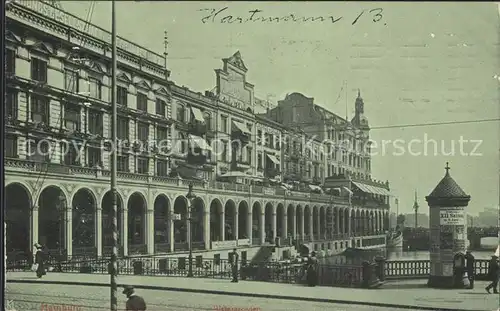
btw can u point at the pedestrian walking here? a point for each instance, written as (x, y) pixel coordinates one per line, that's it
(471, 271)
(134, 302)
(39, 261)
(234, 265)
(312, 270)
(493, 271)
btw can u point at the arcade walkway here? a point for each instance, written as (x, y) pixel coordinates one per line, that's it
(401, 294)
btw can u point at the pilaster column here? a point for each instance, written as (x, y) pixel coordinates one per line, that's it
(170, 229)
(206, 229)
(223, 226)
(318, 221)
(273, 226)
(262, 228)
(124, 232)
(349, 222)
(98, 229)
(337, 222)
(311, 225)
(249, 221)
(235, 226)
(34, 226)
(284, 228)
(150, 231)
(294, 225)
(69, 230)
(301, 225)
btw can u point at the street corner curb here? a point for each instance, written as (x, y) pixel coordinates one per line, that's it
(251, 295)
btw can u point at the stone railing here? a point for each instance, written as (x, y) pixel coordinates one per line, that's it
(413, 269)
(212, 186)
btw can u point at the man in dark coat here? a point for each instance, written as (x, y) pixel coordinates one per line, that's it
(493, 271)
(39, 261)
(470, 268)
(234, 265)
(312, 270)
(134, 302)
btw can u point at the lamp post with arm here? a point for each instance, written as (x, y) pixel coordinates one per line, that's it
(190, 196)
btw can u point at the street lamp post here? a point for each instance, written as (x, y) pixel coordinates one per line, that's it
(190, 196)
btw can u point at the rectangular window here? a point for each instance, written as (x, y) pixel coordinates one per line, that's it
(121, 96)
(38, 70)
(142, 165)
(39, 151)
(70, 153)
(160, 107)
(122, 163)
(94, 156)
(72, 117)
(208, 121)
(10, 146)
(39, 109)
(10, 61)
(249, 155)
(143, 132)
(224, 151)
(223, 124)
(95, 120)
(142, 102)
(181, 113)
(11, 104)
(161, 168)
(95, 88)
(122, 128)
(71, 81)
(162, 137)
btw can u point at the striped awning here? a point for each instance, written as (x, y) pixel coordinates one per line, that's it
(198, 115)
(241, 127)
(273, 158)
(200, 142)
(371, 189)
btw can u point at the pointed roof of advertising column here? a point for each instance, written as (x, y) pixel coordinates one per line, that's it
(447, 190)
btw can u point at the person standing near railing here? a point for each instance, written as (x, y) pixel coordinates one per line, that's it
(470, 268)
(234, 265)
(493, 274)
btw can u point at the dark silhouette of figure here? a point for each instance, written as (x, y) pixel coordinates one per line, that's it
(312, 270)
(470, 268)
(39, 261)
(234, 265)
(493, 270)
(134, 302)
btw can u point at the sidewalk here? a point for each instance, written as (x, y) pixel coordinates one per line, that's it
(412, 294)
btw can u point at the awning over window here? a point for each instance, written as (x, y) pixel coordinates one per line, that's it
(200, 142)
(371, 189)
(198, 115)
(241, 127)
(314, 187)
(274, 159)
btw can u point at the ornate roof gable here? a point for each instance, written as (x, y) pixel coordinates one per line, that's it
(123, 78)
(10, 36)
(236, 61)
(42, 47)
(143, 85)
(162, 91)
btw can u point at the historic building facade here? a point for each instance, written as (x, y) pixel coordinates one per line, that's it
(58, 165)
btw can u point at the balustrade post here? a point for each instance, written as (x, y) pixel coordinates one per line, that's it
(380, 262)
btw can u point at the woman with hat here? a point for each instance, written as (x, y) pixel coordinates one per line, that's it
(39, 261)
(493, 271)
(134, 302)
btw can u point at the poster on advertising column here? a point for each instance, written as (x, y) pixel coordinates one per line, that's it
(451, 217)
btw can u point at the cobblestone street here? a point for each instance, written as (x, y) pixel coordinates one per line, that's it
(30, 297)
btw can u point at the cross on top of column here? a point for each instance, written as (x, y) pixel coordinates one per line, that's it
(447, 168)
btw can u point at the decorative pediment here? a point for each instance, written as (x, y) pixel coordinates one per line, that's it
(236, 61)
(42, 47)
(122, 77)
(96, 67)
(162, 91)
(143, 85)
(10, 36)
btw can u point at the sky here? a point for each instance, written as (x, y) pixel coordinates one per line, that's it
(420, 63)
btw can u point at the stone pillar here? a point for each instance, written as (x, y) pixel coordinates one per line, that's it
(223, 226)
(206, 229)
(337, 222)
(249, 221)
(236, 226)
(318, 221)
(301, 225)
(284, 228)
(349, 227)
(311, 224)
(448, 232)
(69, 230)
(34, 226)
(262, 227)
(294, 224)
(124, 232)
(170, 228)
(98, 229)
(150, 231)
(273, 226)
